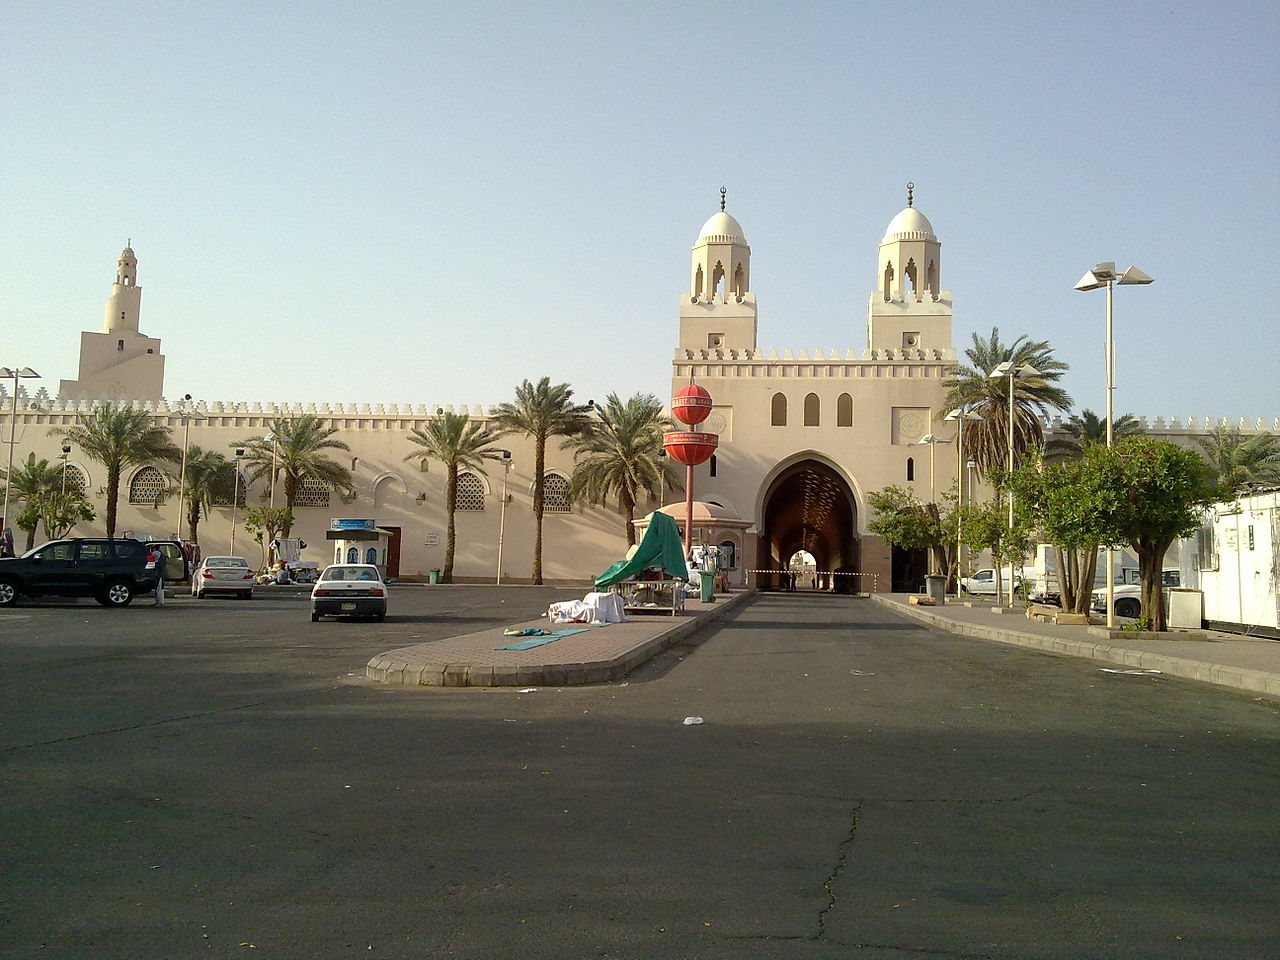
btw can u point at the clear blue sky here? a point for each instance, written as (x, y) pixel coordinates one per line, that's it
(411, 202)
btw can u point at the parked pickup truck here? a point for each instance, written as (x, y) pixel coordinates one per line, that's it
(1128, 598)
(112, 571)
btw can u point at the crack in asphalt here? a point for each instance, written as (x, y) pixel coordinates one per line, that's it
(841, 860)
(905, 952)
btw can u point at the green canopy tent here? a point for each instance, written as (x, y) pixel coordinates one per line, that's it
(661, 546)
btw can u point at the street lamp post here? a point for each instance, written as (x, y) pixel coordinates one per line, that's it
(1104, 275)
(960, 414)
(235, 496)
(187, 415)
(14, 374)
(933, 442)
(502, 514)
(1007, 369)
(66, 453)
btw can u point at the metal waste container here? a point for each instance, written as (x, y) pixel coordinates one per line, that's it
(708, 585)
(935, 587)
(433, 576)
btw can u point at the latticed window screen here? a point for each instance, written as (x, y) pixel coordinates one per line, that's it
(470, 492)
(240, 489)
(147, 486)
(555, 494)
(312, 492)
(1206, 549)
(75, 478)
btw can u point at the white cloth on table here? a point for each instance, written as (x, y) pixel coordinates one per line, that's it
(595, 608)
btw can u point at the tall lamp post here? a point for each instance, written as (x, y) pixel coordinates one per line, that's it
(1007, 369)
(64, 456)
(187, 415)
(959, 415)
(235, 496)
(1104, 275)
(14, 374)
(933, 441)
(502, 515)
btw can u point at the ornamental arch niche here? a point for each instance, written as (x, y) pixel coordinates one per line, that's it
(809, 504)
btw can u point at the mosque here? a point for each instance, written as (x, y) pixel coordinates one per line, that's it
(804, 437)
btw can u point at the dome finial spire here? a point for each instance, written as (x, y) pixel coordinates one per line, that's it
(723, 191)
(910, 187)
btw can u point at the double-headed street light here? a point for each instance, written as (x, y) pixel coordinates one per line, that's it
(235, 495)
(1104, 275)
(933, 442)
(1007, 369)
(14, 374)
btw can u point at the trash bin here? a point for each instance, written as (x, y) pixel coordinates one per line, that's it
(935, 587)
(708, 586)
(433, 576)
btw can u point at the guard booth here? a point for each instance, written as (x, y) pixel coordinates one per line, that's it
(360, 541)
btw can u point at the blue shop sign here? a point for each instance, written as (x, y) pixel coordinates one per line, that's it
(337, 524)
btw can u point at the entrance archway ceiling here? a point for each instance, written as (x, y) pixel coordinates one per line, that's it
(810, 509)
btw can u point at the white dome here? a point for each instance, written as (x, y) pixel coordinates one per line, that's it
(722, 227)
(910, 224)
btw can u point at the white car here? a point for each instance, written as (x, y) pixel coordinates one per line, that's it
(1128, 597)
(231, 575)
(983, 583)
(351, 589)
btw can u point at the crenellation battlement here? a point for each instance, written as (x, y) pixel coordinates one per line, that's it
(818, 355)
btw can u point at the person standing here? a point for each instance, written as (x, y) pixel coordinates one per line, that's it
(156, 559)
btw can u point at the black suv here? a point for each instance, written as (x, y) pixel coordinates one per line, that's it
(112, 571)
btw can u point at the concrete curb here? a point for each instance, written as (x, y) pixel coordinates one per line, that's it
(420, 665)
(1238, 678)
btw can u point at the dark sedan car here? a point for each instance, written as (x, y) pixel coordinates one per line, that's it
(112, 571)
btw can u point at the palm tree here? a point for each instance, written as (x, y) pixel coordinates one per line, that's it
(971, 385)
(118, 436)
(294, 449)
(33, 483)
(457, 443)
(210, 477)
(542, 411)
(1237, 462)
(619, 455)
(1085, 428)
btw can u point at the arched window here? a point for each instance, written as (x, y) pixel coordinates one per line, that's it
(739, 282)
(353, 554)
(911, 468)
(932, 278)
(311, 492)
(371, 555)
(717, 279)
(147, 487)
(911, 276)
(778, 410)
(697, 282)
(470, 493)
(555, 494)
(74, 478)
(237, 488)
(888, 281)
(844, 410)
(728, 554)
(812, 410)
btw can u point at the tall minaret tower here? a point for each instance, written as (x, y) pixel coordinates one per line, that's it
(719, 310)
(909, 309)
(119, 362)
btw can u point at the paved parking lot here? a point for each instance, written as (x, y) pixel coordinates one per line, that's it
(217, 779)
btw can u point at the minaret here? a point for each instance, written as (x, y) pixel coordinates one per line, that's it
(125, 303)
(119, 362)
(909, 309)
(719, 310)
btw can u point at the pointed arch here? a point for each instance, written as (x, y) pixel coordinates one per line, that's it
(778, 410)
(812, 410)
(844, 410)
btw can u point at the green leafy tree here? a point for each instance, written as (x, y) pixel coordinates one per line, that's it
(620, 455)
(210, 477)
(971, 385)
(903, 520)
(296, 449)
(459, 444)
(265, 524)
(61, 511)
(33, 482)
(118, 437)
(541, 411)
(1146, 493)
(1237, 461)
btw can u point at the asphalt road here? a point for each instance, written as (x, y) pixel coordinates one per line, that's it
(217, 779)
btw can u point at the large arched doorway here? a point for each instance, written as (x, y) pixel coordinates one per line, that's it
(809, 507)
